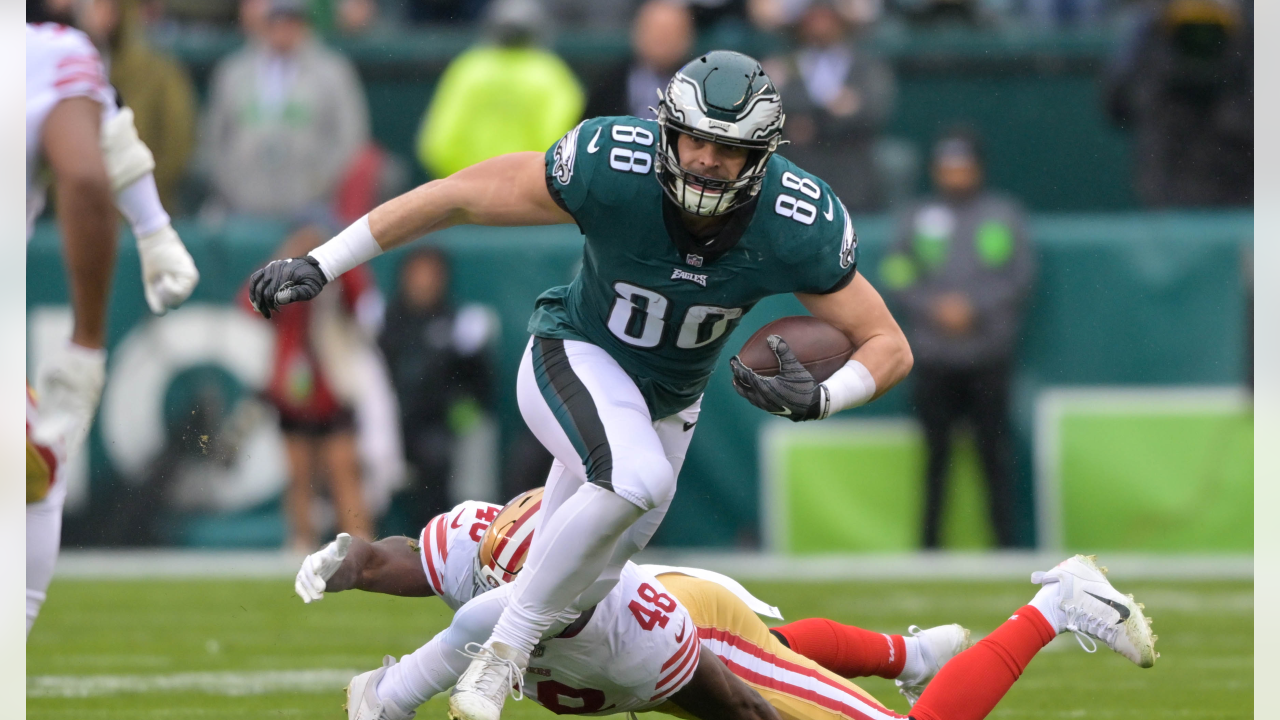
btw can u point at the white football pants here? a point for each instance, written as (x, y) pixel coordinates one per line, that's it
(612, 482)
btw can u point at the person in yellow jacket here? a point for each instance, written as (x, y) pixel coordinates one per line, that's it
(504, 96)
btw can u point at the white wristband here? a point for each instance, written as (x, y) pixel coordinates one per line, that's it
(349, 248)
(850, 386)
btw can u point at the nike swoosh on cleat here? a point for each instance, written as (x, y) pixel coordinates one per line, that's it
(1119, 607)
(831, 210)
(689, 425)
(783, 412)
(592, 146)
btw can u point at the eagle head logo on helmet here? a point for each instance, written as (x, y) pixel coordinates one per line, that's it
(723, 97)
(505, 544)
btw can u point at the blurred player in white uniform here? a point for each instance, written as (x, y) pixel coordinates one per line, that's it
(80, 140)
(634, 651)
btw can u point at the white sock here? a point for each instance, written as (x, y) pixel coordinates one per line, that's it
(1048, 602)
(914, 666)
(570, 552)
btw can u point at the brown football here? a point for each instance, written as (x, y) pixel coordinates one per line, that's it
(820, 347)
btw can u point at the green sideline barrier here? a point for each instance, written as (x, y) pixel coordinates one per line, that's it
(1145, 470)
(855, 486)
(1034, 96)
(1121, 299)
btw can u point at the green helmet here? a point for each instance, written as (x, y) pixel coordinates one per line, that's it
(724, 97)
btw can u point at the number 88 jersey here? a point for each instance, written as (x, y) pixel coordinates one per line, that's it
(646, 294)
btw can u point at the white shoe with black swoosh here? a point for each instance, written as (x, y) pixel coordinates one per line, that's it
(1094, 610)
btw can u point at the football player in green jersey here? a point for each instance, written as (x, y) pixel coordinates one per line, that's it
(614, 371)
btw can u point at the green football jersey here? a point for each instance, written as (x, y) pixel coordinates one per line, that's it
(664, 314)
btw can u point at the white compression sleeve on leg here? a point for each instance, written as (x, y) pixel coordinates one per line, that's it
(850, 386)
(436, 666)
(139, 202)
(349, 248)
(127, 158)
(577, 541)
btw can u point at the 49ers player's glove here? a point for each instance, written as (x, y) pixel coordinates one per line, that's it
(285, 281)
(318, 567)
(792, 393)
(168, 272)
(68, 390)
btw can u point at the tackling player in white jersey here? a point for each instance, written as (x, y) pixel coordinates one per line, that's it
(634, 651)
(81, 140)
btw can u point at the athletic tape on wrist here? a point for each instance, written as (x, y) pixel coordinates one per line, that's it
(349, 248)
(850, 386)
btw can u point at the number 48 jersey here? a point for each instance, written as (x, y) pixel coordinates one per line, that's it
(662, 313)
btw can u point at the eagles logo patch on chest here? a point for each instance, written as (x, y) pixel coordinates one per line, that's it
(678, 274)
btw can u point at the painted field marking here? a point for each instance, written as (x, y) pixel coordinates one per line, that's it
(323, 680)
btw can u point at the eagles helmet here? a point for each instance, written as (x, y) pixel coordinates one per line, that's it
(723, 97)
(505, 544)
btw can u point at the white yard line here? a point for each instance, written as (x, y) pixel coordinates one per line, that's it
(325, 680)
(743, 566)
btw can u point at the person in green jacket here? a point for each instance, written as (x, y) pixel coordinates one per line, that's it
(502, 96)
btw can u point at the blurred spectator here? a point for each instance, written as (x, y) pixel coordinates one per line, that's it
(441, 371)
(443, 12)
(152, 84)
(838, 95)
(504, 95)
(1065, 13)
(961, 268)
(286, 116)
(595, 15)
(661, 42)
(934, 13)
(1183, 82)
(314, 387)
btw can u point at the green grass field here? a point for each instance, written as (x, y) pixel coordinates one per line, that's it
(152, 650)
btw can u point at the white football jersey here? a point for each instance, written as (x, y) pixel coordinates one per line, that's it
(61, 63)
(449, 545)
(630, 653)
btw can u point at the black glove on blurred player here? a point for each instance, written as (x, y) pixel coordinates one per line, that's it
(284, 281)
(792, 393)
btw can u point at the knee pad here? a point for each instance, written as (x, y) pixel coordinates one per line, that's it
(127, 158)
(649, 483)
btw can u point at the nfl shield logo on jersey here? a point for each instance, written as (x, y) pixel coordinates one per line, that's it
(693, 259)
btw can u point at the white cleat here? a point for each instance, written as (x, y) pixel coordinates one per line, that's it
(1094, 610)
(937, 646)
(496, 670)
(362, 697)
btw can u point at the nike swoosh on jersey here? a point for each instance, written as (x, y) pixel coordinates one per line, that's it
(831, 211)
(1119, 607)
(689, 425)
(592, 146)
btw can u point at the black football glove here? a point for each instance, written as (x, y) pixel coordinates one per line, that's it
(792, 393)
(284, 281)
